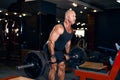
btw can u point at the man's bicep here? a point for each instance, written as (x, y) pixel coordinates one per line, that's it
(54, 35)
(51, 41)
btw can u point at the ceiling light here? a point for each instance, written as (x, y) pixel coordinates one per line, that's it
(79, 2)
(94, 10)
(15, 13)
(81, 12)
(58, 21)
(23, 14)
(74, 4)
(78, 23)
(118, 1)
(6, 13)
(20, 15)
(85, 7)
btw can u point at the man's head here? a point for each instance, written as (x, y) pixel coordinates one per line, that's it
(70, 16)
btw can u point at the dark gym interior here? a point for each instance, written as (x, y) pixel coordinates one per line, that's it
(25, 26)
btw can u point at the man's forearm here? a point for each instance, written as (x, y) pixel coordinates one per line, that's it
(68, 46)
(51, 47)
(67, 49)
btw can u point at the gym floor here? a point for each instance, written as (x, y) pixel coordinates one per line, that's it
(8, 69)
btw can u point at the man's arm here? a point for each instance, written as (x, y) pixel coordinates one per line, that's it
(54, 35)
(68, 47)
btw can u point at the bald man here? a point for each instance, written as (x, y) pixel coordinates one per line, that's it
(58, 45)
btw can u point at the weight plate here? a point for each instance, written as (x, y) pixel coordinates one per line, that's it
(39, 63)
(80, 57)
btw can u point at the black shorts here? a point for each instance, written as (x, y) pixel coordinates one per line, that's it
(58, 54)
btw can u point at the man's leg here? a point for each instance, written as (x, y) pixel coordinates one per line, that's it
(52, 71)
(61, 70)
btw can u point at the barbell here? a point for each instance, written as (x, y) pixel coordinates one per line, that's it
(35, 62)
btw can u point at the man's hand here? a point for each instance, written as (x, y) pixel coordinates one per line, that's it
(53, 59)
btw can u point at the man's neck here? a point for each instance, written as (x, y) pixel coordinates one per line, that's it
(67, 23)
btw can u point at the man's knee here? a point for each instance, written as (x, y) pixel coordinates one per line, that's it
(54, 67)
(61, 66)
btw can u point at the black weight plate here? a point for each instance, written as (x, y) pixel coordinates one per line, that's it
(39, 63)
(46, 55)
(80, 59)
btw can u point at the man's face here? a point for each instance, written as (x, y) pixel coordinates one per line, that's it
(72, 17)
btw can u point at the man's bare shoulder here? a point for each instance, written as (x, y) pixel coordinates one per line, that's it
(59, 28)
